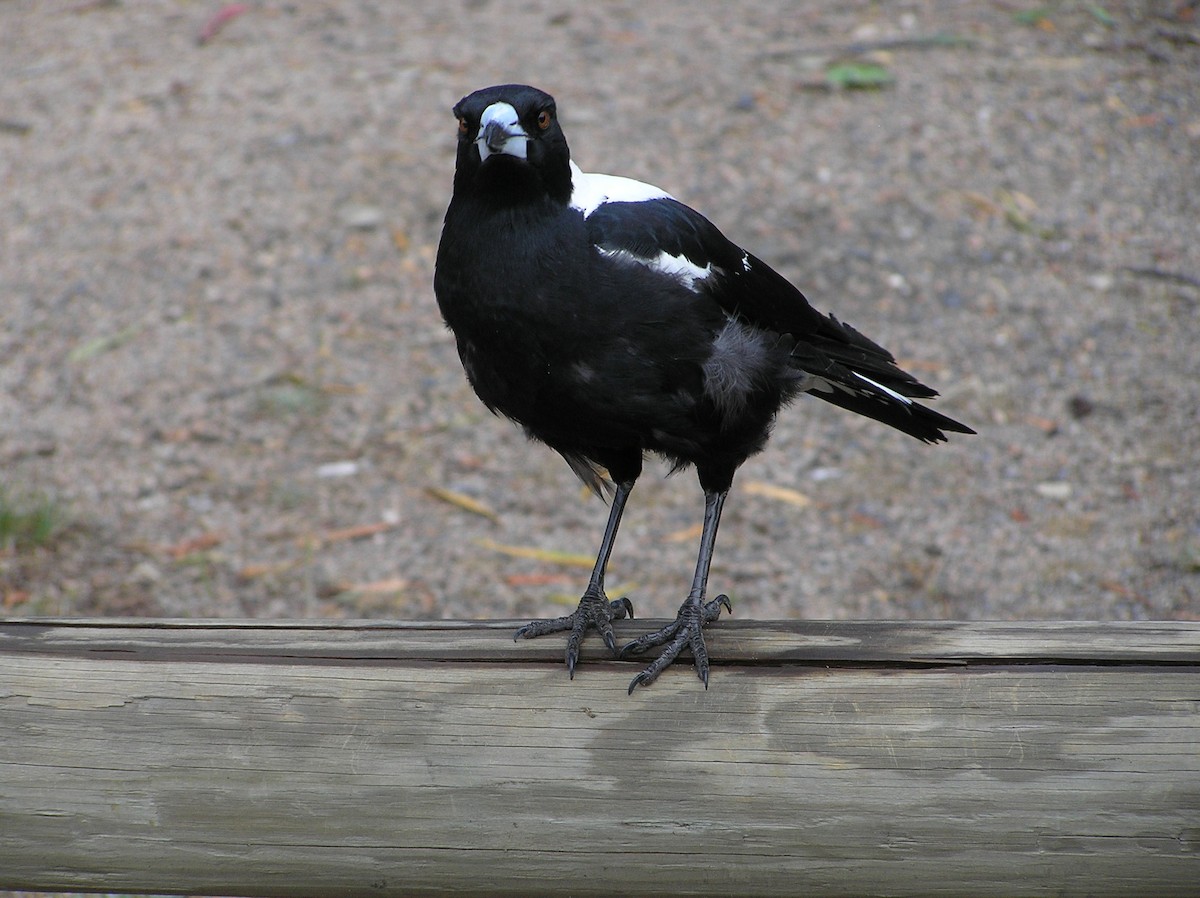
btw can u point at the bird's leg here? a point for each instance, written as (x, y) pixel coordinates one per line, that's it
(594, 609)
(687, 628)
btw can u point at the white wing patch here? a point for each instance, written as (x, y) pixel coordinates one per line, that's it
(681, 268)
(589, 191)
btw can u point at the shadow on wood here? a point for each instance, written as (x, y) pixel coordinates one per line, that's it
(296, 759)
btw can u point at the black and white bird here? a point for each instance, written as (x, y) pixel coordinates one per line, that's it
(610, 321)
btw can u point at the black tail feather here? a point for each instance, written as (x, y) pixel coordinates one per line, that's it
(861, 376)
(909, 417)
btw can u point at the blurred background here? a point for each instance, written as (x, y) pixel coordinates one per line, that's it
(225, 389)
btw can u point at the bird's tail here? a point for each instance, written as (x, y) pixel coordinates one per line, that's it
(889, 406)
(859, 375)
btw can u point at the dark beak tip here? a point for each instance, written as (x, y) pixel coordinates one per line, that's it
(494, 135)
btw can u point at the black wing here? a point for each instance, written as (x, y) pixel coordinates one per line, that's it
(742, 285)
(849, 369)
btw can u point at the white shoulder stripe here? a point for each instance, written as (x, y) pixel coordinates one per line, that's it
(589, 191)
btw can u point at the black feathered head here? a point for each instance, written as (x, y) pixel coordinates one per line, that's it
(509, 142)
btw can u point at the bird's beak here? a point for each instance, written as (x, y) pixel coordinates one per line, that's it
(500, 131)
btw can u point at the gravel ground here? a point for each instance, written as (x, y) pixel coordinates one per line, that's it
(221, 357)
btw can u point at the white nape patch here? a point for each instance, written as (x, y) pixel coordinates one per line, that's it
(892, 393)
(740, 363)
(590, 191)
(745, 261)
(681, 268)
(504, 115)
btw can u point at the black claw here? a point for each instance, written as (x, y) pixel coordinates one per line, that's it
(609, 639)
(629, 648)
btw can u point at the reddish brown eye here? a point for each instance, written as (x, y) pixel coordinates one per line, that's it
(543, 119)
(462, 126)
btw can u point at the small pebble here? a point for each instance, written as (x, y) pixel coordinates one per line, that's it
(361, 218)
(1080, 406)
(338, 469)
(820, 474)
(1054, 489)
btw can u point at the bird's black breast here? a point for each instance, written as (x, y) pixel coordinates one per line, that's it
(490, 288)
(585, 352)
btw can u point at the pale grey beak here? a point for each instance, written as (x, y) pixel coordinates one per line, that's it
(500, 131)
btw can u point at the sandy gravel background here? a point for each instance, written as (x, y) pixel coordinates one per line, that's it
(221, 358)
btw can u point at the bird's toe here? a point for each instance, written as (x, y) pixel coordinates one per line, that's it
(594, 612)
(686, 631)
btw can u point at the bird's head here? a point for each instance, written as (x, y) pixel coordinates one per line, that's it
(509, 142)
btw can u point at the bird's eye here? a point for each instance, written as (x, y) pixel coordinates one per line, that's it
(543, 119)
(462, 126)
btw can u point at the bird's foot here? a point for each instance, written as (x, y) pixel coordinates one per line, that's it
(595, 611)
(685, 631)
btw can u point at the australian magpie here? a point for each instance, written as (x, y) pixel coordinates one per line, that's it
(610, 321)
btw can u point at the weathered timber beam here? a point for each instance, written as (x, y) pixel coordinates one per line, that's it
(286, 758)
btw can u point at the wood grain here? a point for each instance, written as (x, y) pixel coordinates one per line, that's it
(434, 759)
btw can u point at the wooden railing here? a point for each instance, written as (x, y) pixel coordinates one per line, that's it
(826, 758)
